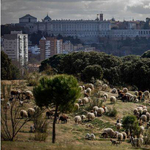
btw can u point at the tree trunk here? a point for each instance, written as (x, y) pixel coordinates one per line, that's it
(54, 122)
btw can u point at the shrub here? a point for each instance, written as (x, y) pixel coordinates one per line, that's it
(112, 112)
(41, 127)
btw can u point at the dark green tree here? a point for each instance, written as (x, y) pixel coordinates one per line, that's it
(60, 91)
(8, 70)
(130, 123)
(94, 71)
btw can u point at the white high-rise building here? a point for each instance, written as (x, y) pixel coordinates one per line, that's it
(16, 47)
(59, 46)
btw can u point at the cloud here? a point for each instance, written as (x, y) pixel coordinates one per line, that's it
(12, 10)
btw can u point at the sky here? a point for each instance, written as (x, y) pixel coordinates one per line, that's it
(12, 10)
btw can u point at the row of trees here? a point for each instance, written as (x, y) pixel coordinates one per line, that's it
(8, 70)
(128, 70)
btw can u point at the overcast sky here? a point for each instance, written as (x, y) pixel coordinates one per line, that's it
(12, 10)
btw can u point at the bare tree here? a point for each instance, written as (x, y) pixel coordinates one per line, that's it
(11, 123)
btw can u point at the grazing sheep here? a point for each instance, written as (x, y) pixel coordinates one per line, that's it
(104, 87)
(146, 94)
(144, 118)
(95, 108)
(144, 111)
(8, 105)
(108, 132)
(137, 142)
(118, 126)
(148, 116)
(88, 91)
(105, 95)
(136, 101)
(140, 110)
(32, 129)
(80, 101)
(114, 142)
(136, 93)
(49, 114)
(63, 118)
(135, 111)
(23, 114)
(85, 100)
(125, 90)
(92, 136)
(83, 117)
(77, 119)
(91, 86)
(76, 106)
(29, 93)
(120, 136)
(114, 91)
(124, 135)
(90, 116)
(100, 111)
(31, 112)
(113, 99)
(87, 136)
(81, 88)
(142, 130)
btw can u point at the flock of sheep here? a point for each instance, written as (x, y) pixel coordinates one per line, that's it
(140, 112)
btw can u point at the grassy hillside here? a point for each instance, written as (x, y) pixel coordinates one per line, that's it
(70, 136)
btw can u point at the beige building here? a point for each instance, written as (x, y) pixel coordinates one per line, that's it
(16, 47)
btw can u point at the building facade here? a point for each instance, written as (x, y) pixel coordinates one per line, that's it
(16, 47)
(88, 31)
(50, 46)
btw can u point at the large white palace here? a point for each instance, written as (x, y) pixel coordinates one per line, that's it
(87, 30)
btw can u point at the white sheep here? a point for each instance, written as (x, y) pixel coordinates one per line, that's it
(148, 116)
(118, 126)
(144, 118)
(81, 88)
(83, 117)
(95, 108)
(85, 100)
(31, 112)
(114, 91)
(91, 86)
(124, 135)
(104, 87)
(136, 93)
(142, 130)
(76, 106)
(113, 99)
(87, 136)
(120, 136)
(105, 95)
(88, 91)
(125, 90)
(77, 119)
(92, 136)
(8, 104)
(108, 132)
(90, 116)
(23, 114)
(144, 111)
(100, 111)
(146, 94)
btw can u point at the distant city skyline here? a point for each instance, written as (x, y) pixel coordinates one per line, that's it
(12, 10)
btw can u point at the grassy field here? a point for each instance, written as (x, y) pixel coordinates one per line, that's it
(70, 136)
